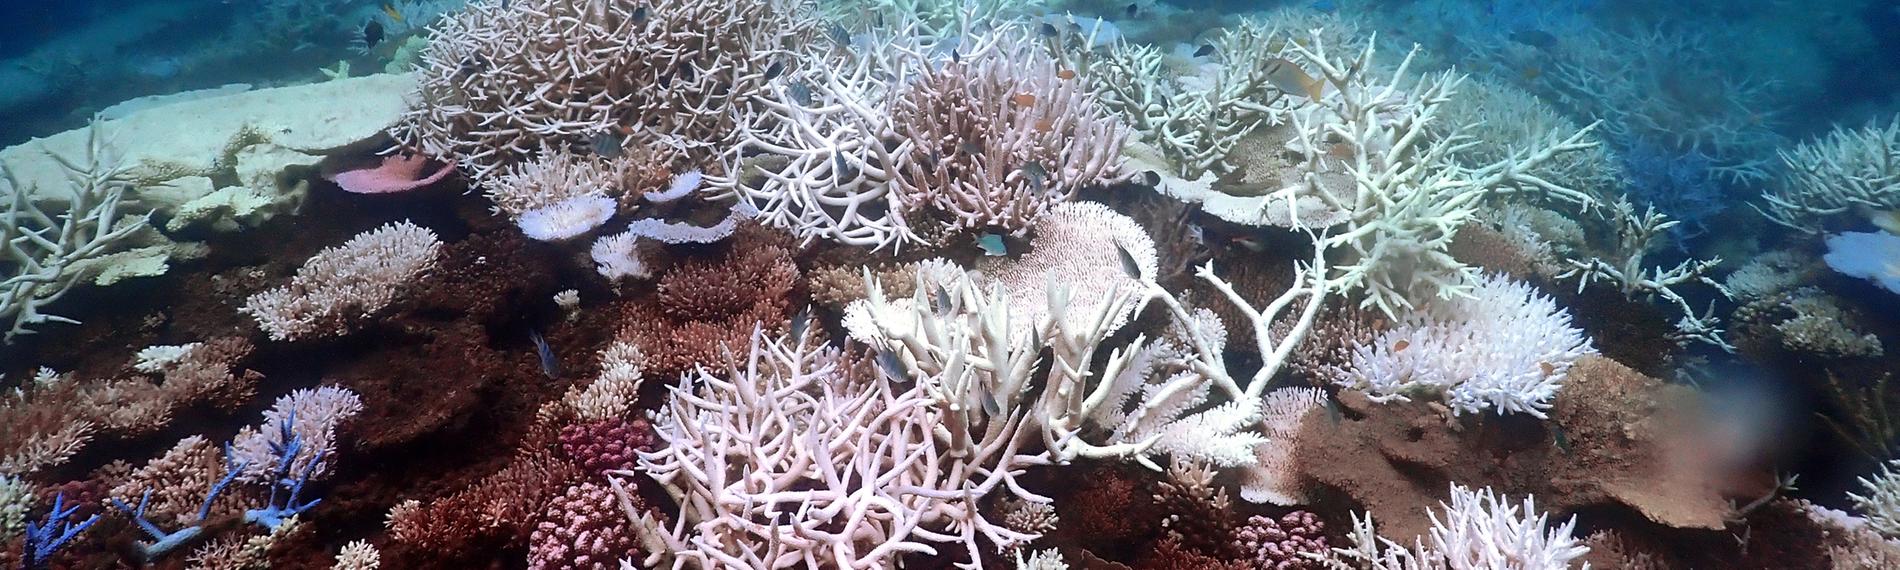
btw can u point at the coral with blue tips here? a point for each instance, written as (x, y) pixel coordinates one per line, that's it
(282, 480)
(47, 536)
(162, 541)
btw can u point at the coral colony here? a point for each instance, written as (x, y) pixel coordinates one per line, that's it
(759, 284)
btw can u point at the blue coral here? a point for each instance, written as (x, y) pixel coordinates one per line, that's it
(162, 541)
(49, 535)
(284, 484)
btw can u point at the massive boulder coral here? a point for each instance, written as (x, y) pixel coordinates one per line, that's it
(502, 80)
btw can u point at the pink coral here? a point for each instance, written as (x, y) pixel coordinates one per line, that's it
(1268, 544)
(606, 444)
(398, 173)
(580, 529)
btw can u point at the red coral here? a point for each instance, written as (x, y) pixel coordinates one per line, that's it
(1267, 544)
(581, 529)
(606, 444)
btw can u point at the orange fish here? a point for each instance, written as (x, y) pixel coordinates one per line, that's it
(1023, 100)
(1400, 345)
(1045, 125)
(1066, 74)
(1549, 368)
(1287, 76)
(392, 13)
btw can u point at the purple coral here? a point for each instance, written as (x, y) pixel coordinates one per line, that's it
(606, 444)
(1266, 543)
(580, 529)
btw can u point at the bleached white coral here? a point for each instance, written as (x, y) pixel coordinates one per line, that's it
(1273, 478)
(358, 555)
(1767, 274)
(43, 249)
(1874, 256)
(156, 359)
(1846, 170)
(1478, 531)
(315, 414)
(1880, 503)
(567, 218)
(346, 283)
(16, 499)
(1506, 347)
(1077, 246)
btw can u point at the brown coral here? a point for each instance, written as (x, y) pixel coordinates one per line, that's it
(707, 306)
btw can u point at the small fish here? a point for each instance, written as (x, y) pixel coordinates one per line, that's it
(394, 15)
(1400, 345)
(1151, 178)
(666, 80)
(1045, 125)
(774, 70)
(988, 399)
(687, 72)
(549, 365)
(372, 34)
(1129, 267)
(1558, 437)
(800, 322)
(942, 300)
(1065, 74)
(1049, 29)
(956, 56)
(640, 15)
(1132, 9)
(608, 144)
(1332, 411)
(838, 34)
(1036, 174)
(1535, 38)
(1023, 100)
(970, 148)
(842, 168)
(505, 3)
(800, 93)
(992, 245)
(891, 365)
(1287, 76)
(1547, 367)
(1206, 50)
(1249, 243)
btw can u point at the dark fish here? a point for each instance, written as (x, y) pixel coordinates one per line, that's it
(838, 34)
(608, 144)
(1151, 178)
(687, 72)
(372, 34)
(1535, 38)
(549, 365)
(1132, 9)
(666, 80)
(843, 168)
(987, 398)
(800, 93)
(943, 301)
(800, 322)
(992, 245)
(1559, 438)
(956, 56)
(505, 3)
(640, 15)
(1206, 50)
(1129, 267)
(891, 365)
(970, 148)
(1036, 174)
(773, 70)
(1049, 29)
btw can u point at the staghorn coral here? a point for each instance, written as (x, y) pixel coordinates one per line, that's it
(998, 135)
(1849, 169)
(16, 499)
(45, 249)
(178, 482)
(503, 80)
(358, 555)
(1879, 500)
(850, 492)
(346, 284)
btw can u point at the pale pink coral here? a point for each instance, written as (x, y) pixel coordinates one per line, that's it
(580, 530)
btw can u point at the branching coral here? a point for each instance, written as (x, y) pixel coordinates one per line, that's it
(315, 414)
(1637, 234)
(503, 80)
(42, 250)
(1000, 133)
(54, 417)
(343, 285)
(1847, 169)
(1881, 500)
(707, 307)
(1479, 531)
(1504, 348)
(872, 475)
